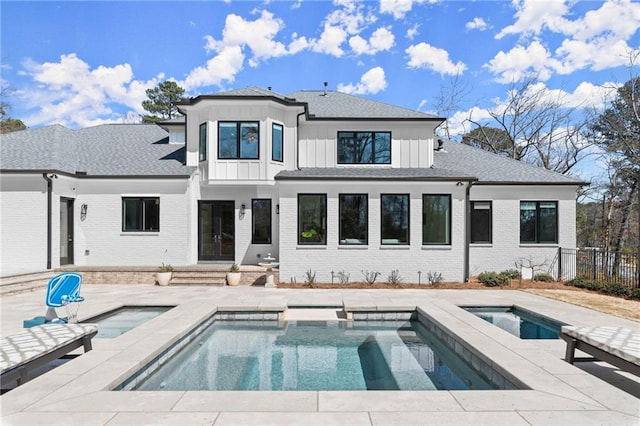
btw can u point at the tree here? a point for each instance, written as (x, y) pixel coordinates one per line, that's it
(162, 102)
(8, 124)
(536, 126)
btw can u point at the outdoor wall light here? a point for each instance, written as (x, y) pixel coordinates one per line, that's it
(83, 209)
(242, 209)
(277, 208)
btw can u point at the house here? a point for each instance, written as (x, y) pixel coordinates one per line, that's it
(326, 182)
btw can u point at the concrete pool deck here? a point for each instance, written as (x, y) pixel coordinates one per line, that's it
(78, 392)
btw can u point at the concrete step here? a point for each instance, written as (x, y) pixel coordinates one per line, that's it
(214, 281)
(24, 283)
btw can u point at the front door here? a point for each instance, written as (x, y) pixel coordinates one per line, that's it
(216, 222)
(66, 231)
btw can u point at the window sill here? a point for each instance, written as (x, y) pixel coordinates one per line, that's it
(311, 247)
(395, 247)
(554, 245)
(481, 244)
(140, 234)
(436, 247)
(353, 247)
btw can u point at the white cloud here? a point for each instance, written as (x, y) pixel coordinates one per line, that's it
(477, 24)
(596, 40)
(220, 68)
(258, 35)
(521, 62)
(399, 8)
(71, 93)
(350, 19)
(423, 55)
(412, 32)
(330, 41)
(371, 82)
(382, 39)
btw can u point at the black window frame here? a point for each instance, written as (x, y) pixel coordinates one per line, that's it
(273, 142)
(408, 219)
(269, 239)
(239, 124)
(323, 221)
(448, 221)
(373, 147)
(202, 142)
(142, 214)
(341, 236)
(538, 225)
(472, 222)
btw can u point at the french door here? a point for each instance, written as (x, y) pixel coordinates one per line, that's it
(216, 230)
(66, 231)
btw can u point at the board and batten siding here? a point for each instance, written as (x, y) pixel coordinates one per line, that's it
(412, 143)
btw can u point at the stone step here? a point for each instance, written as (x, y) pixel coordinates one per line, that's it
(212, 281)
(24, 283)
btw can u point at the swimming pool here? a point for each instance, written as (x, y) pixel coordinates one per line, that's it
(520, 322)
(315, 355)
(117, 322)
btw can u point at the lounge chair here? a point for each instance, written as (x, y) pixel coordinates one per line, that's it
(35, 347)
(63, 290)
(618, 346)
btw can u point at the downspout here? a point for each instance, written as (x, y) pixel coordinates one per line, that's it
(49, 203)
(298, 140)
(467, 233)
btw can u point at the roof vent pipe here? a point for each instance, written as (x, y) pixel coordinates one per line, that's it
(325, 88)
(440, 147)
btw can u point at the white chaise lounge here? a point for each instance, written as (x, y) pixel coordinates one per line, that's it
(34, 347)
(616, 345)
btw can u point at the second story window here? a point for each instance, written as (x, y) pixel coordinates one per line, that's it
(277, 140)
(364, 148)
(203, 142)
(238, 140)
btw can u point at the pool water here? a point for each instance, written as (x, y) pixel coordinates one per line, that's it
(315, 355)
(519, 322)
(117, 322)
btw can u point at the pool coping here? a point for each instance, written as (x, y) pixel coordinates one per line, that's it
(554, 384)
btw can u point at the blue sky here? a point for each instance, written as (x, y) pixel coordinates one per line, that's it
(83, 63)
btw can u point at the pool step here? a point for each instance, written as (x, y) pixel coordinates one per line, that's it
(207, 278)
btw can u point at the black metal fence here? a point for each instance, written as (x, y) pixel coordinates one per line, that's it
(597, 264)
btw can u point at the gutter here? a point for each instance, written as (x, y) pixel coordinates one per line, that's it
(298, 139)
(467, 233)
(49, 203)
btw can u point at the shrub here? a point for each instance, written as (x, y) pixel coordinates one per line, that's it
(493, 279)
(634, 294)
(511, 273)
(165, 268)
(234, 268)
(613, 289)
(617, 289)
(310, 277)
(544, 277)
(394, 277)
(434, 278)
(370, 277)
(343, 277)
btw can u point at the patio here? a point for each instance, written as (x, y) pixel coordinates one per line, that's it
(78, 391)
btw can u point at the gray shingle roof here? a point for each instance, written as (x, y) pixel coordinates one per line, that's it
(342, 105)
(492, 168)
(105, 150)
(373, 173)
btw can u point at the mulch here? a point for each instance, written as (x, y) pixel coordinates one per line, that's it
(473, 284)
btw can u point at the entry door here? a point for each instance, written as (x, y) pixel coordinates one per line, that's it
(66, 231)
(216, 224)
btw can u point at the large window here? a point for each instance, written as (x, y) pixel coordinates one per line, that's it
(394, 219)
(141, 214)
(261, 221)
(481, 221)
(203, 142)
(353, 219)
(277, 140)
(238, 140)
(538, 222)
(364, 147)
(312, 219)
(436, 219)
